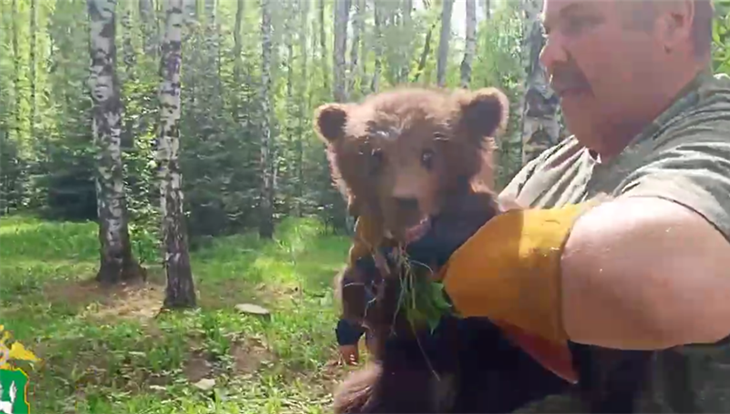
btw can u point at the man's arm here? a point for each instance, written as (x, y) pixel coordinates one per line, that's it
(645, 273)
(648, 270)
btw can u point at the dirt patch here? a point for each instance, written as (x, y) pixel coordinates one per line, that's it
(197, 367)
(134, 300)
(249, 356)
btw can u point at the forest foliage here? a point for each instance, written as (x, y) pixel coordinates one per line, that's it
(47, 151)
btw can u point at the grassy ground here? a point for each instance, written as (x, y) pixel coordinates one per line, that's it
(108, 351)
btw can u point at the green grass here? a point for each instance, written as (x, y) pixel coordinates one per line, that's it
(108, 352)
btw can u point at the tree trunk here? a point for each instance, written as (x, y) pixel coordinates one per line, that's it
(266, 220)
(424, 54)
(323, 45)
(33, 65)
(358, 23)
(342, 11)
(377, 17)
(471, 43)
(180, 292)
(238, 60)
(443, 53)
(540, 128)
(16, 62)
(364, 51)
(148, 24)
(409, 32)
(304, 104)
(487, 4)
(117, 263)
(130, 61)
(213, 44)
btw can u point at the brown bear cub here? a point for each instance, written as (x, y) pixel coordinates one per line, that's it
(407, 161)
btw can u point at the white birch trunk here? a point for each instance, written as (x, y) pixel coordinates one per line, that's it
(180, 292)
(470, 43)
(117, 263)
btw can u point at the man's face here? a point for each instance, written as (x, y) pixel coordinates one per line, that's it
(603, 65)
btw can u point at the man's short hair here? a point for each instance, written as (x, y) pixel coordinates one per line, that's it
(642, 14)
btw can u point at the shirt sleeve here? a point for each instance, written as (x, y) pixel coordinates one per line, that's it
(691, 169)
(512, 190)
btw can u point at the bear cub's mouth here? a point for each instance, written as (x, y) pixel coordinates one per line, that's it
(417, 231)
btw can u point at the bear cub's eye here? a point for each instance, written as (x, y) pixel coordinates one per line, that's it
(427, 158)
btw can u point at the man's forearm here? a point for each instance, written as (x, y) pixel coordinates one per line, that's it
(645, 273)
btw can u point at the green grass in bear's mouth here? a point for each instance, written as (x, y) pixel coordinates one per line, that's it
(421, 298)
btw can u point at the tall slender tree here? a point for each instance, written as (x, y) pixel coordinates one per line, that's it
(117, 262)
(443, 52)
(342, 13)
(540, 128)
(180, 292)
(378, 21)
(470, 44)
(266, 197)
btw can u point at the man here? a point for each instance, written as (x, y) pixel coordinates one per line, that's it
(650, 268)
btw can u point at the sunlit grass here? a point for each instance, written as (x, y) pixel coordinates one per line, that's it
(111, 352)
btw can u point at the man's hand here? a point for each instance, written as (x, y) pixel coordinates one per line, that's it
(349, 354)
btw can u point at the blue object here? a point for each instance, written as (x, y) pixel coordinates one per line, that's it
(348, 333)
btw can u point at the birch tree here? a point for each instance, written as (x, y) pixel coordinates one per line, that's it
(33, 64)
(266, 197)
(378, 22)
(471, 43)
(540, 128)
(322, 43)
(117, 263)
(407, 44)
(358, 31)
(341, 11)
(443, 52)
(180, 291)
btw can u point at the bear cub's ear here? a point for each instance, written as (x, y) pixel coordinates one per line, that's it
(330, 120)
(485, 112)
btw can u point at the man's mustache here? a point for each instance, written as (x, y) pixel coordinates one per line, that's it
(568, 78)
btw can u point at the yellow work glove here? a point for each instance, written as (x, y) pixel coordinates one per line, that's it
(509, 272)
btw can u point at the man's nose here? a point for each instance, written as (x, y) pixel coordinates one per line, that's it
(552, 53)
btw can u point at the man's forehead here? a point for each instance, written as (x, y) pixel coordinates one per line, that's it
(559, 7)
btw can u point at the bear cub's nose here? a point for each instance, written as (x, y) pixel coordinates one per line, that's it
(407, 203)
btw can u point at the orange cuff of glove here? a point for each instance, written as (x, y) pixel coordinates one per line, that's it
(509, 271)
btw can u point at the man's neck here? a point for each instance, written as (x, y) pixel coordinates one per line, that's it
(623, 134)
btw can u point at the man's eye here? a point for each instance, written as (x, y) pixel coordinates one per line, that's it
(575, 25)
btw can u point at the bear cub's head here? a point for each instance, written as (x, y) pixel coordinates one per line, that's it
(403, 155)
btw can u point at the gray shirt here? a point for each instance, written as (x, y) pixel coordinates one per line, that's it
(683, 156)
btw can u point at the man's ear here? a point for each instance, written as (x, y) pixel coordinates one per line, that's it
(330, 120)
(485, 112)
